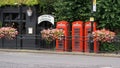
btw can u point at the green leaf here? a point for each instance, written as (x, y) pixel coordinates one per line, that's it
(25, 2)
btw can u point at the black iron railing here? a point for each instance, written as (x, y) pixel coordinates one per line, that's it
(36, 42)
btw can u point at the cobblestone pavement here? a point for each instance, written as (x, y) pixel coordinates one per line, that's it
(37, 60)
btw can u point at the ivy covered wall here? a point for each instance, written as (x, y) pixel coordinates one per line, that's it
(24, 2)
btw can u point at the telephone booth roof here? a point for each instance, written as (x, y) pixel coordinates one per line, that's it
(79, 22)
(62, 22)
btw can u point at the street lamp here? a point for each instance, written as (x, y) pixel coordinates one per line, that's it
(29, 12)
(92, 12)
(92, 24)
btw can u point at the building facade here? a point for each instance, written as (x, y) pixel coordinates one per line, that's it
(27, 26)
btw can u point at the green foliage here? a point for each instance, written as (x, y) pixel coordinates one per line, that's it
(108, 14)
(25, 2)
(71, 10)
(46, 6)
(108, 47)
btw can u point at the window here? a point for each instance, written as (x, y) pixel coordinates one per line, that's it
(13, 20)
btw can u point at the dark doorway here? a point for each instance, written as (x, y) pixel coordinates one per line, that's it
(45, 25)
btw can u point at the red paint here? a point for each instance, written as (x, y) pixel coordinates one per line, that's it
(77, 36)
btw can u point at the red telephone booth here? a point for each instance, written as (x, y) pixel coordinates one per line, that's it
(77, 36)
(62, 45)
(87, 46)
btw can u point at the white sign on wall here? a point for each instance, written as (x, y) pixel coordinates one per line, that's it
(30, 30)
(46, 17)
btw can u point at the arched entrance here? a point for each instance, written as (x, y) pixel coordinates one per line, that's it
(43, 44)
(45, 22)
(44, 25)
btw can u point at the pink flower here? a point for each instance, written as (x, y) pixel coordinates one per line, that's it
(52, 34)
(8, 32)
(103, 35)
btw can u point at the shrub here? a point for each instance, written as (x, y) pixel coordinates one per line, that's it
(105, 38)
(103, 35)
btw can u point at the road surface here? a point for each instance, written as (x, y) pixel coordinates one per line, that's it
(38, 60)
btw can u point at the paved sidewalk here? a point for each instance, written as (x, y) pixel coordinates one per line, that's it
(62, 53)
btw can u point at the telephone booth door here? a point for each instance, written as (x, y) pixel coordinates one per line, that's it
(77, 36)
(88, 47)
(62, 45)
